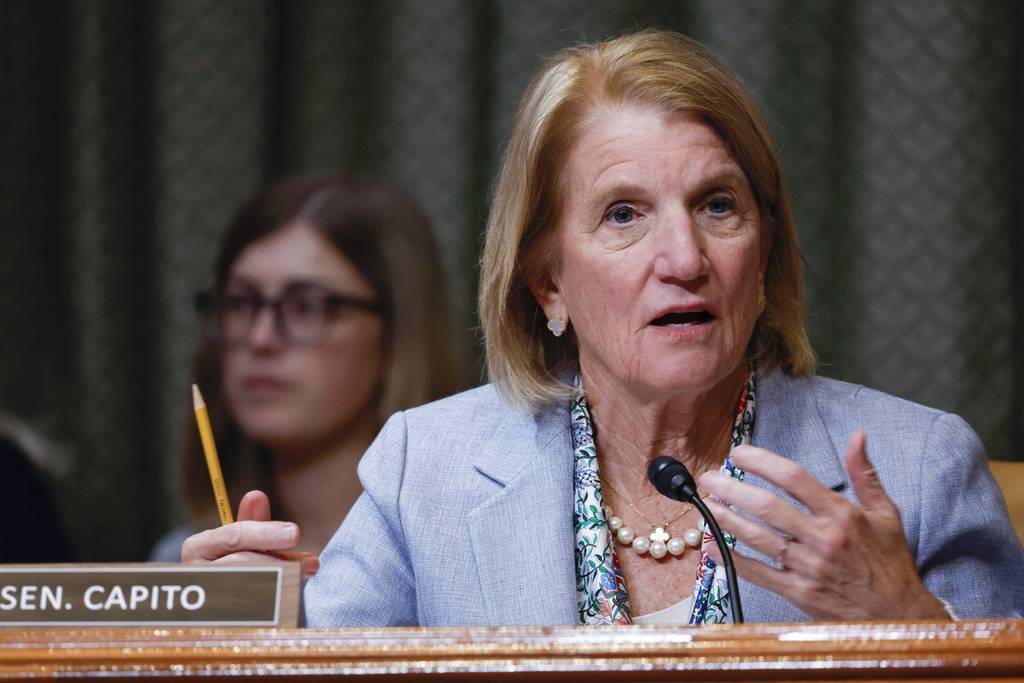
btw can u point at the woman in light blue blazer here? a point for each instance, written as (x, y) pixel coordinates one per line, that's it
(641, 295)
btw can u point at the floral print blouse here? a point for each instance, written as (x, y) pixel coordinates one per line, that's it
(600, 588)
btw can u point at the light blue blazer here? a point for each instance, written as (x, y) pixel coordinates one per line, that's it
(466, 518)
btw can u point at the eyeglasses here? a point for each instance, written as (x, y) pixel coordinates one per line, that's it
(301, 314)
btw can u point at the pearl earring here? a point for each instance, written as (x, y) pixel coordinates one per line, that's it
(556, 325)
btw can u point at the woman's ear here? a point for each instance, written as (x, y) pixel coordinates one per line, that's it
(548, 296)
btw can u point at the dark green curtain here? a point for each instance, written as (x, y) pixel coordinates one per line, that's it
(130, 130)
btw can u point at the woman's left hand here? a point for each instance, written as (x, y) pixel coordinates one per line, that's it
(838, 560)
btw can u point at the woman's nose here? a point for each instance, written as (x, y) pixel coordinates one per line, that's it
(680, 246)
(263, 331)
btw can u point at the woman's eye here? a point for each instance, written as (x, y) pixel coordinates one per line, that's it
(621, 215)
(305, 306)
(720, 205)
(238, 303)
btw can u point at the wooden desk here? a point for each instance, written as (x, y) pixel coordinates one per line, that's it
(977, 650)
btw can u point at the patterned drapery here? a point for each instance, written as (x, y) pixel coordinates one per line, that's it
(130, 130)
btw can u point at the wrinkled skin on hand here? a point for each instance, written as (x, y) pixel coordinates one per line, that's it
(838, 560)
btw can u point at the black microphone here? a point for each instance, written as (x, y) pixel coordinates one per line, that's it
(672, 479)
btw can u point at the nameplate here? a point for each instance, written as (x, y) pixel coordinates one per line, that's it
(149, 595)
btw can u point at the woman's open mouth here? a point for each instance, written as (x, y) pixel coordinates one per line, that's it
(683, 319)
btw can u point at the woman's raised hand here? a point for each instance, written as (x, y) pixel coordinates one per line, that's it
(252, 538)
(835, 561)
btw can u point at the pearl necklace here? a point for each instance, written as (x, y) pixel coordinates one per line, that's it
(660, 541)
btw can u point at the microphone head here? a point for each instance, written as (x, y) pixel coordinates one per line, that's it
(657, 466)
(671, 478)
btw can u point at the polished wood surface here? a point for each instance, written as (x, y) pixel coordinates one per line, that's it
(977, 650)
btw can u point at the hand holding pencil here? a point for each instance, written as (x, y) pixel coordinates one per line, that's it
(254, 537)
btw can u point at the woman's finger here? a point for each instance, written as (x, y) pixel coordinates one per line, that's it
(254, 506)
(776, 580)
(870, 493)
(788, 476)
(238, 537)
(308, 562)
(757, 536)
(246, 557)
(758, 503)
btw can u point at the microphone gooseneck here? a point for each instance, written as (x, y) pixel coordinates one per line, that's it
(671, 478)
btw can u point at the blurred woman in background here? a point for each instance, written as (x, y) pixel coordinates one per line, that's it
(328, 313)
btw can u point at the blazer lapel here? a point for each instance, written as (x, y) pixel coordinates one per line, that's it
(522, 536)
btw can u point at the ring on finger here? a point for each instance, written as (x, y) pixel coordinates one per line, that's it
(781, 557)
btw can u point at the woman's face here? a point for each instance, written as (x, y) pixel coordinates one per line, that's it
(301, 396)
(660, 254)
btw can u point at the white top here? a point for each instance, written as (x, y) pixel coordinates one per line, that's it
(678, 613)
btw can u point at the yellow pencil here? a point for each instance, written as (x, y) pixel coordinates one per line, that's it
(212, 461)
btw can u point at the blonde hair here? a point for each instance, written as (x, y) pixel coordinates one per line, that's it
(659, 69)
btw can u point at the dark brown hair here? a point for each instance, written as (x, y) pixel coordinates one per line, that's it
(377, 227)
